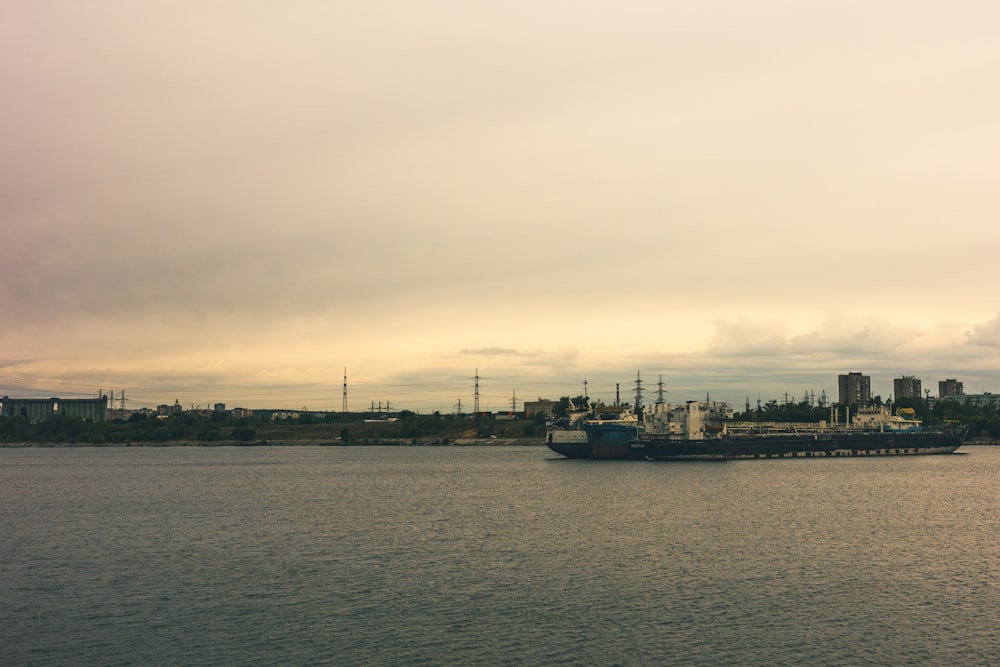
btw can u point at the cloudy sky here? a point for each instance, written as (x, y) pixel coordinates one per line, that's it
(234, 201)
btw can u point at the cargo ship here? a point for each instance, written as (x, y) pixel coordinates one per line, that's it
(703, 430)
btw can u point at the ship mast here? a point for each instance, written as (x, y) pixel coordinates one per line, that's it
(638, 393)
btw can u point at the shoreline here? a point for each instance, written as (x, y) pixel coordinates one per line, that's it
(312, 442)
(324, 442)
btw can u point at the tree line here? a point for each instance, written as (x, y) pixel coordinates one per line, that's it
(138, 427)
(222, 426)
(211, 427)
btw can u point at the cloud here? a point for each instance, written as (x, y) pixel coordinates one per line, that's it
(217, 204)
(986, 334)
(490, 352)
(13, 363)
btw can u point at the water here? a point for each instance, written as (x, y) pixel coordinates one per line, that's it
(484, 556)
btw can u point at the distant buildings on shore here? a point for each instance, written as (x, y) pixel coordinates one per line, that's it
(37, 409)
(854, 389)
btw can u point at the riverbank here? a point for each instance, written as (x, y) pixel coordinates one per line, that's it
(302, 442)
(192, 429)
(334, 442)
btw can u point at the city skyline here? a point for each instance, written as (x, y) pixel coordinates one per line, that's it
(207, 204)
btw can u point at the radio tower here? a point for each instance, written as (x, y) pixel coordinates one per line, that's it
(475, 403)
(343, 407)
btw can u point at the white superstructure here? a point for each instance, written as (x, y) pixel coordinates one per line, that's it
(693, 420)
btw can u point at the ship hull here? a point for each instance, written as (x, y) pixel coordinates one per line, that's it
(798, 446)
(605, 443)
(562, 442)
(611, 441)
(595, 441)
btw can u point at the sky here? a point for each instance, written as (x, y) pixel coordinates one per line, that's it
(235, 201)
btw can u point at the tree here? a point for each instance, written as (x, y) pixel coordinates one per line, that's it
(244, 434)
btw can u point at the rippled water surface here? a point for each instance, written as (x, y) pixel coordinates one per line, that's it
(483, 556)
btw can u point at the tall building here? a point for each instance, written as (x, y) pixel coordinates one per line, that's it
(906, 387)
(950, 387)
(855, 389)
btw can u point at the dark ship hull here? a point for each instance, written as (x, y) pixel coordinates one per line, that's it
(622, 444)
(776, 446)
(584, 450)
(596, 441)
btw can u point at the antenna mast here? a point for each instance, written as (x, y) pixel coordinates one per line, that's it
(343, 407)
(475, 405)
